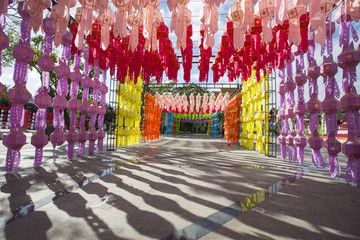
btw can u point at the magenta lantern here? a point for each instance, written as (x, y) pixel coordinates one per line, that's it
(46, 63)
(15, 140)
(18, 95)
(42, 100)
(59, 103)
(23, 53)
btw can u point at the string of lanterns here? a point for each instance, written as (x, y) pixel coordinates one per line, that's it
(128, 113)
(180, 104)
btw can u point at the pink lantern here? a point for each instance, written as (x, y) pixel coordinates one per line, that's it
(264, 9)
(120, 17)
(106, 20)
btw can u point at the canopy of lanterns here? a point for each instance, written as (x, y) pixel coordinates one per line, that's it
(200, 104)
(259, 35)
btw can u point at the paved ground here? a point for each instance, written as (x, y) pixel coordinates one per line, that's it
(184, 187)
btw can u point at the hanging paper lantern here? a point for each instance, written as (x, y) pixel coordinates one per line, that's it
(60, 13)
(209, 19)
(205, 103)
(300, 110)
(18, 95)
(247, 7)
(264, 9)
(282, 114)
(84, 17)
(86, 82)
(295, 10)
(290, 86)
(42, 99)
(236, 16)
(330, 105)
(35, 9)
(94, 109)
(354, 10)
(348, 60)
(313, 106)
(326, 6)
(106, 20)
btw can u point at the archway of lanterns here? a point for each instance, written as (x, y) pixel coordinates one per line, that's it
(158, 111)
(258, 39)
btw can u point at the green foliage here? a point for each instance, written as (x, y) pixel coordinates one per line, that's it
(172, 88)
(110, 114)
(8, 59)
(49, 129)
(4, 100)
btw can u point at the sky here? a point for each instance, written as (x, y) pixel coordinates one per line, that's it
(196, 7)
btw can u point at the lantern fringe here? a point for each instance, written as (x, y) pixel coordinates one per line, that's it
(38, 157)
(292, 153)
(100, 145)
(300, 155)
(9, 166)
(283, 151)
(353, 171)
(91, 147)
(317, 159)
(334, 166)
(81, 150)
(54, 156)
(70, 153)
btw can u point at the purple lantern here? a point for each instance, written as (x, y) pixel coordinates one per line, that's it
(282, 114)
(102, 111)
(94, 109)
(42, 99)
(290, 86)
(18, 95)
(331, 105)
(86, 82)
(348, 60)
(58, 137)
(351, 148)
(73, 105)
(313, 106)
(300, 108)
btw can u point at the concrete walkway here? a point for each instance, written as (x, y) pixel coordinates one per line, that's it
(182, 187)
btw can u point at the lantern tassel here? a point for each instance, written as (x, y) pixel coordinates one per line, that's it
(283, 151)
(353, 171)
(70, 153)
(100, 145)
(91, 147)
(334, 166)
(300, 155)
(9, 166)
(38, 157)
(317, 159)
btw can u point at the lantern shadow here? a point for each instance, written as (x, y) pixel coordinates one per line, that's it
(17, 187)
(34, 226)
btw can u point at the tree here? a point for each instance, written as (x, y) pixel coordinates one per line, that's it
(172, 88)
(4, 100)
(36, 44)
